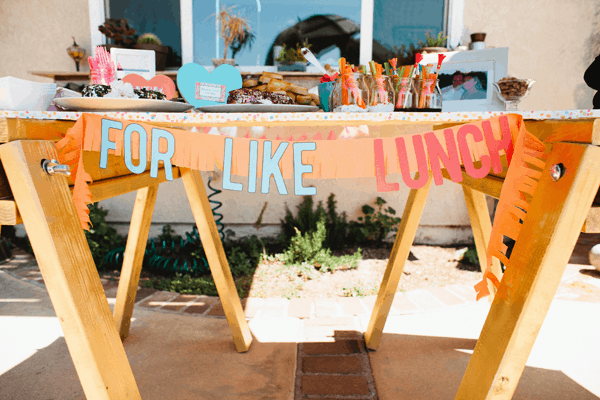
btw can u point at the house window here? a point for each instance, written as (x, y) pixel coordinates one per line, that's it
(338, 27)
(188, 26)
(402, 22)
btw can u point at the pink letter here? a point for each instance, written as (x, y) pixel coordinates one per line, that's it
(473, 172)
(382, 185)
(450, 160)
(494, 146)
(421, 162)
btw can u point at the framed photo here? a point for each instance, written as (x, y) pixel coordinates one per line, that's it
(128, 61)
(467, 86)
(481, 69)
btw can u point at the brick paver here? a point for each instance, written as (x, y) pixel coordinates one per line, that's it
(159, 299)
(332, 364)
(217, 310)
(252, 305)
(335, 385)
(326, 308)
(445, 296)
(466, 292)
(337, 347)
(402, 304)
(274, 308)
(200, 305)
(352, 306)
(300, 308)
(424, 299)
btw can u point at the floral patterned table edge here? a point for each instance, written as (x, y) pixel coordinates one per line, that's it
(199, 118)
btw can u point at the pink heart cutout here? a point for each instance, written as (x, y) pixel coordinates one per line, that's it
(161, 83)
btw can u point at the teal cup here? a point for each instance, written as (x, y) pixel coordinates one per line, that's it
(325, 89)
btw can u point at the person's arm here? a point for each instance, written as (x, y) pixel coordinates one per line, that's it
(592, 74)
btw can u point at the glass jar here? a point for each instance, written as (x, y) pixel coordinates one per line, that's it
(404, 94)
(350, 94)
(427, 96)
(381, 94)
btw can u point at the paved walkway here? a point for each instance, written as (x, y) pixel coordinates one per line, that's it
(331, 359)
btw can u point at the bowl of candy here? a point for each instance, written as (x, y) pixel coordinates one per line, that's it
(513, 90)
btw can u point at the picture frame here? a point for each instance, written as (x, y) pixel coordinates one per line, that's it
(129, 61)
(467, 86)
(492, 60)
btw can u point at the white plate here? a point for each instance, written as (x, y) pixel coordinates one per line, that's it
(250, 108)
(102, 104)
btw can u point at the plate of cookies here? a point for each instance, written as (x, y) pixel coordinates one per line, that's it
(269, 93)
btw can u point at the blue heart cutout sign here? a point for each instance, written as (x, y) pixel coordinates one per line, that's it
(202, 88)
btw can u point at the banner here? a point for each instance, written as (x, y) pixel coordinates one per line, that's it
(248, 164)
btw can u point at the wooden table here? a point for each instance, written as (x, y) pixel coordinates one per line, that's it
(43, 203)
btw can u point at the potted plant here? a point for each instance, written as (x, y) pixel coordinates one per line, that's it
(290, 59)
(434, 44)
(119, 32)
(235, 32)
(149, 41)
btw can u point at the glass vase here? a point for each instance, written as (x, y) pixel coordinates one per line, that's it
(350, 94)
(404, 94)
(427, 96)
(381, 94)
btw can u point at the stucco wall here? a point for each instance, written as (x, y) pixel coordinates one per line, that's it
(35, 34)
(551, 41)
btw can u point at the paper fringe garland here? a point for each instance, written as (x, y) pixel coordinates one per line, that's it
(350, 158)
(522, 178)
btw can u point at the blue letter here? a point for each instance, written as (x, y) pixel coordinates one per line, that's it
(106, 144)
(299, 169)
(227, 184)
(141, 167)
(271, 167)
(164, 157)
(252, 166)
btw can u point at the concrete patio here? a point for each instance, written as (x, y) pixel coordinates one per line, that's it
(180, 347)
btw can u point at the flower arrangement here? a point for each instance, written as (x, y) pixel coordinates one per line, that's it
(235, 31)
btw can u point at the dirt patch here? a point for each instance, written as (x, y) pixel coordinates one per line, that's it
(428, 266)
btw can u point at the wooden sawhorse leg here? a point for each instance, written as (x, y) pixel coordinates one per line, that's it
(537, 262)
(482, 229)
(68, 269)
(404, 239)
(219, 267)
(134, 257)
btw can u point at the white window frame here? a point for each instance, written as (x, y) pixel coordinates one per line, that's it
(453, 24)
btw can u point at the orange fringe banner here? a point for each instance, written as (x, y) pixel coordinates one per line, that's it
(333, 157)
(519, 186)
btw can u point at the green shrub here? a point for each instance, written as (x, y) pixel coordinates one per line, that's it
(470, 257)
(374, 227)
(185, 284)
(308, 248)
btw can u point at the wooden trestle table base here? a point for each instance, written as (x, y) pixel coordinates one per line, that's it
(44, 205)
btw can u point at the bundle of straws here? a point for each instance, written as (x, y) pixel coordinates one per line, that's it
(102, 68)
(349, 84)
(408, 74)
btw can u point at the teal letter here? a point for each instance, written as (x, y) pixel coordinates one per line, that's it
(141, 167)
(227, 184)
(299, 169)
(106, 144)
(252, 166)
(271, 167)
(164, 157)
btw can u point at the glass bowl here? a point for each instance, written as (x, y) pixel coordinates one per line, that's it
(513, 90)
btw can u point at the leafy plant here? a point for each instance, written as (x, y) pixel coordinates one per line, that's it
(406, 55)
(101, 237)
(470, 257)
(291, 55)
(375, 225)
(434, 41)
(306, 221)
(241, 42)
(308, 249)
(119, 31)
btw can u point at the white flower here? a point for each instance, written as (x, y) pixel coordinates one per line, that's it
(120, 89)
